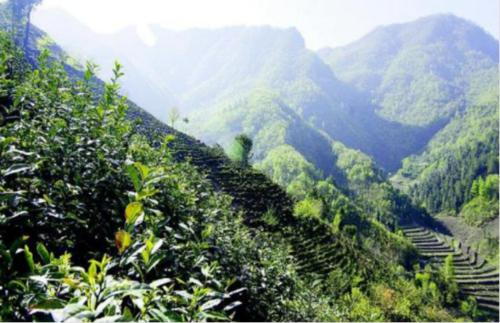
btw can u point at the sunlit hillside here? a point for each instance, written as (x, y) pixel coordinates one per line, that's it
(233, 173)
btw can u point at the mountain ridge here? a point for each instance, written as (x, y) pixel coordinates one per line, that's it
(209, 72)
(388, 63)
(321, 253)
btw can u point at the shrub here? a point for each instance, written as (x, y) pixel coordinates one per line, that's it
(240, 149)
(309, 207)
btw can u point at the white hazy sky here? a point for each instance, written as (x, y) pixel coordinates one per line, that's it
(321, 22)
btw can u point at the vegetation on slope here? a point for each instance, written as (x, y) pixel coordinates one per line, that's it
(99, 222)
(463, 271)
(422, 71)
(439, 71)
(446, 178)
(484, 204)
(442, 177)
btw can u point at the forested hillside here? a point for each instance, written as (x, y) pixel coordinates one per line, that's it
(423, 92)
(420, 72)
(205, 73)
(436, 70)
(109, 214)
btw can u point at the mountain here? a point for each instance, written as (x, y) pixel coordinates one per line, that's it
(403, 92)
(208, 72)
(463, 151)
(392, 94)
(169, 228)
(438, 70)
(420, 72)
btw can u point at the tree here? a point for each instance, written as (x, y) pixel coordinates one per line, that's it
(309, 207)
(240, 149)
(475, 188)
(173, 116)
(21, 15)
(448, 272)
(337, 220)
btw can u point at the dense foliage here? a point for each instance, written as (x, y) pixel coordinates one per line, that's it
(442, 177)
(422, 71)
(97, 223)
(438, 73)
(68, 165)
(106, 218)
(484, 203)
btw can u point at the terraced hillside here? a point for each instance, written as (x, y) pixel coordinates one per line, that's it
(313, 245)
(252, 192)
(474, 276)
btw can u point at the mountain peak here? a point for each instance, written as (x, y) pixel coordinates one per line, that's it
(446, 28)
(391, 63)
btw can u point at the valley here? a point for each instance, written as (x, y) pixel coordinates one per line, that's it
(234, 174)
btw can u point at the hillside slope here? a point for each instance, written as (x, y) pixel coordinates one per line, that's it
(436, 70)
(83, 164)
(419, 72)
(208, 72)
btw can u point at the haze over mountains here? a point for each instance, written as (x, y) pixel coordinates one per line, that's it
(358, 183)
(421, 71)
(386, 94)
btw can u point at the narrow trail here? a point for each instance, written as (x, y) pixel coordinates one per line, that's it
(474, 276)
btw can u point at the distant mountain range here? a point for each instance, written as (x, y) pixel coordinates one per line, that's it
(419, 72)
(392, 94)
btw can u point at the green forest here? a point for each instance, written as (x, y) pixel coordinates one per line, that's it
(299, 186)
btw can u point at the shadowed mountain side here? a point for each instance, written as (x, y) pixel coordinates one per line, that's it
(207, 72)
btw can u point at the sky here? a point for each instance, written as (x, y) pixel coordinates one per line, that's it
(321, 22)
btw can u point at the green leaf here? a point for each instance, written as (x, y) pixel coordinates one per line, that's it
(5, 141)
(29, 258)
(47, 305)
(210, 304)
(69, 311)
(122, 240)
(215, 316)
(40, 279)
(92, 273)
(207, 232)
(17, 168)
(143, 170)
(4, 196)
(103, 305)
(43, 253)
(154, 261)
(184, 294)
(47, 199)
(160, 282)
(16, 285)
(127, 315)
(134, 175)
(232, 306)
(195, 282)
(133, 211)
(165, 317)
(158, 316)
(205, 270)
